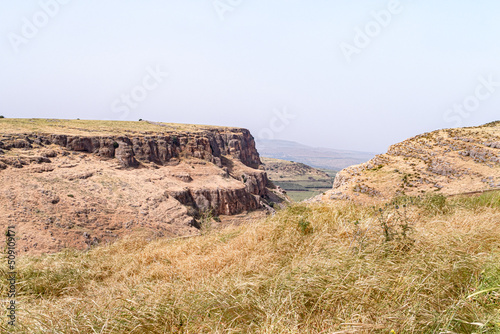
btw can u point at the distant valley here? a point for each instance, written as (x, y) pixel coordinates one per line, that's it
(317, 157)
(297, 179)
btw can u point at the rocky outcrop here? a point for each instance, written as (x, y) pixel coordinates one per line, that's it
(209, 145)
(450, 161)
(219, 201)
(131, 151)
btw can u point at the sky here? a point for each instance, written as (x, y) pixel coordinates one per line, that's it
(345, 74)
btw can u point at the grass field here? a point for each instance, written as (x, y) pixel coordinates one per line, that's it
(416, 265)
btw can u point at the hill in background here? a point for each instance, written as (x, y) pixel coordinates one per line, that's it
(317, 157)
(297, 179)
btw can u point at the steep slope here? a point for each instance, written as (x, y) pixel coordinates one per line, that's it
(449, 161)
(80, 183)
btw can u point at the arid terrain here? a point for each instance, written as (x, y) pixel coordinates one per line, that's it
(406, 243)
(448, 162)
(79, 183)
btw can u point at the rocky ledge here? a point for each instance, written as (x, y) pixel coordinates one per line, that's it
(209, 145)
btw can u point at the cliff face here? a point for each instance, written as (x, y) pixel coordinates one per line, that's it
(207, 145)
(450, 161)
(77, 190)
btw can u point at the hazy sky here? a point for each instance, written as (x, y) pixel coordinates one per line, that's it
(346, 74)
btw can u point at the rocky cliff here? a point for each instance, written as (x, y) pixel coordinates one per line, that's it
(449, 161)
(80, 186)
(209, 145)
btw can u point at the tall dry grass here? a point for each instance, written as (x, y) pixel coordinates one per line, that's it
(321, 268)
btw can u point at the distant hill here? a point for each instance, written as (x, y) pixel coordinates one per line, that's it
(317, 157)
(298, 180)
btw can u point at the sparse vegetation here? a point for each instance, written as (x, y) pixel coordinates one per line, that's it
(308, 269)
(93, 127)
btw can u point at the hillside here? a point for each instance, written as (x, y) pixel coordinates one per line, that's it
(449, 162)
(297, 179)
(316, 157)
(322, 268)
(75, 183)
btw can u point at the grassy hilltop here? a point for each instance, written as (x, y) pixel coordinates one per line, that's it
(93, 127)
(416, 265)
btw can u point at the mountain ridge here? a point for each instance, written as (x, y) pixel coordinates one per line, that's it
(318, 157)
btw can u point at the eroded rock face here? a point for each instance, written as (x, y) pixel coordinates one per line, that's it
(255, 182)
(205, 145)
(218, 201)
(125, 154)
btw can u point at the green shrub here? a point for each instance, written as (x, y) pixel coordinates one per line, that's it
(305, 226)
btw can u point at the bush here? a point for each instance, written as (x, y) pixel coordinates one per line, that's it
(1, 116)
(395, 220)
(305, 226)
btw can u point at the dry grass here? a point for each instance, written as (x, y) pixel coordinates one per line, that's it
(309, 269)
(92, 127)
